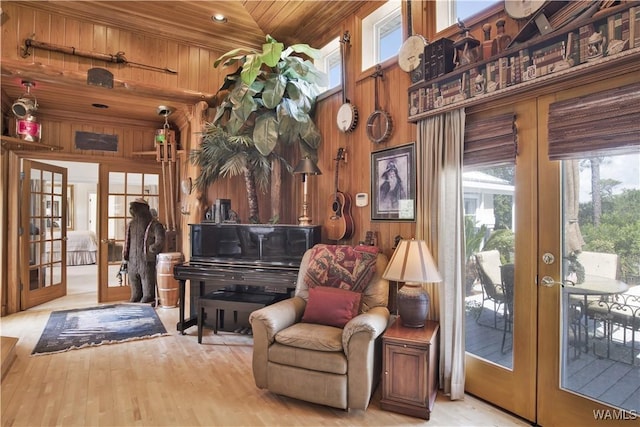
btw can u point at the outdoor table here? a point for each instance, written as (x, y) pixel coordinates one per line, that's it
(592, 286)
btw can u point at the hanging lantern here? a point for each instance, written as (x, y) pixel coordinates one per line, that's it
(27, 104)
(28, 129)
(165, 135)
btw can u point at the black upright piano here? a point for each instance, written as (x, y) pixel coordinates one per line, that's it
(251, 258)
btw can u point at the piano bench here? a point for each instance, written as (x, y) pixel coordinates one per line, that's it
(231, 300)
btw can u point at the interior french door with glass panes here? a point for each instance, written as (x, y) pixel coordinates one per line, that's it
(43, 242)
(119, 187)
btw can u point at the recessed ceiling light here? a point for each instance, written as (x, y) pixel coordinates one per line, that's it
(219, 18)
(96, 105)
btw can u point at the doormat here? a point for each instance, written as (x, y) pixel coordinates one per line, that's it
(107, 324)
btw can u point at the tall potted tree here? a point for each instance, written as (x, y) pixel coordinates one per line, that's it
(270, 100)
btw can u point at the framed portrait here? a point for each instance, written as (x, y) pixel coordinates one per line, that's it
(393, 184)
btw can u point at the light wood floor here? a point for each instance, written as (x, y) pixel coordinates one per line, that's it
(174, 381)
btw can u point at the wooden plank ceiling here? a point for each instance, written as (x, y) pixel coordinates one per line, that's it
(190, 22)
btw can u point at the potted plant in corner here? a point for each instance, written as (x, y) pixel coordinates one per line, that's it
(270, 100)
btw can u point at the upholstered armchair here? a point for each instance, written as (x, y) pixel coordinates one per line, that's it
(323, 345)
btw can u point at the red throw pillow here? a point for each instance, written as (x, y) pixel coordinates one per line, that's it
(331, 306)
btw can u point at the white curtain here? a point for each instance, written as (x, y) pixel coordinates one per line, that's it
(440, 223)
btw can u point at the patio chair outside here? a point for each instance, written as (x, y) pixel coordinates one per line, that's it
(508, 282)
(488, 264)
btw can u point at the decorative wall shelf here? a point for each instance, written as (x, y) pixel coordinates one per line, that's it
(11, 143)
(563, 55)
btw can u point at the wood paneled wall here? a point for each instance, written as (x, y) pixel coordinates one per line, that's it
(193, 64)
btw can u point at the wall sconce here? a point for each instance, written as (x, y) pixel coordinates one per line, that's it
(413, 264)
(305, 167)
(27, 104)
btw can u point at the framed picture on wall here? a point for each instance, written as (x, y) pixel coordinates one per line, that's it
(393, 183)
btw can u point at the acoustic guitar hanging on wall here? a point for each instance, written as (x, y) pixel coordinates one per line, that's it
(340, 224)
(347, 117)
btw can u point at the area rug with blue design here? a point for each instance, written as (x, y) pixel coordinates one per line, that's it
(106, 324)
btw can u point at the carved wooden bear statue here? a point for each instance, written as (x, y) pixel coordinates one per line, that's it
(144, 240)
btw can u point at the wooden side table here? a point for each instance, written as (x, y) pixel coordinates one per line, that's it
(410, 369)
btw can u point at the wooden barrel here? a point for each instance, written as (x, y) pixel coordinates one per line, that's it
(168, 289)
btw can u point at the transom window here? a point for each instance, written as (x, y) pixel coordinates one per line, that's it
(448, 12)
(331, 64)
(381, 34)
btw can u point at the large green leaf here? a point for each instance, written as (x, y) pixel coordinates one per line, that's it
(243, 104)
(234, 124)
(295, 68)
(289, 108)
(303, 48)
(237, 94)
(316, 76)
(271, 53)
(230, 80)
(265, 133)
(310, 134)
(219, 113)
(273, 91)
(232, 55)
(297, 93)
(251, 69)
(287, 129)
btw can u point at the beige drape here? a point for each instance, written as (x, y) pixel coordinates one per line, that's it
(572, 236)
(440, 223)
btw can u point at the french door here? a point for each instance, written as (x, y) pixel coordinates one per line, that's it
(500, 333)
(588, 283)
(43, 243)
(567, 349)
(119, 186)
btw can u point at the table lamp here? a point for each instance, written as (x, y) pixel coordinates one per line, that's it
(413, 264)
(305, 167)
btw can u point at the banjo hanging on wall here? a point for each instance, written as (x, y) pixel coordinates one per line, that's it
(347, 117)
(410, 56)
(379, 124)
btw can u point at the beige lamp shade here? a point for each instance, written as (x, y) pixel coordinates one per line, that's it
(413, 264)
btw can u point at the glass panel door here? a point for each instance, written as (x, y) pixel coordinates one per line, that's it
(490, 254)
(588, 260)
(600, 336)
(500, 302)
(124, 186)
(44, 238)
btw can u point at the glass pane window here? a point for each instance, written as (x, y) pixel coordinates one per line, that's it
(601, 270)
(448, 12)
(389, 35)
(330, 62)
(489, 262)
(381, 34)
